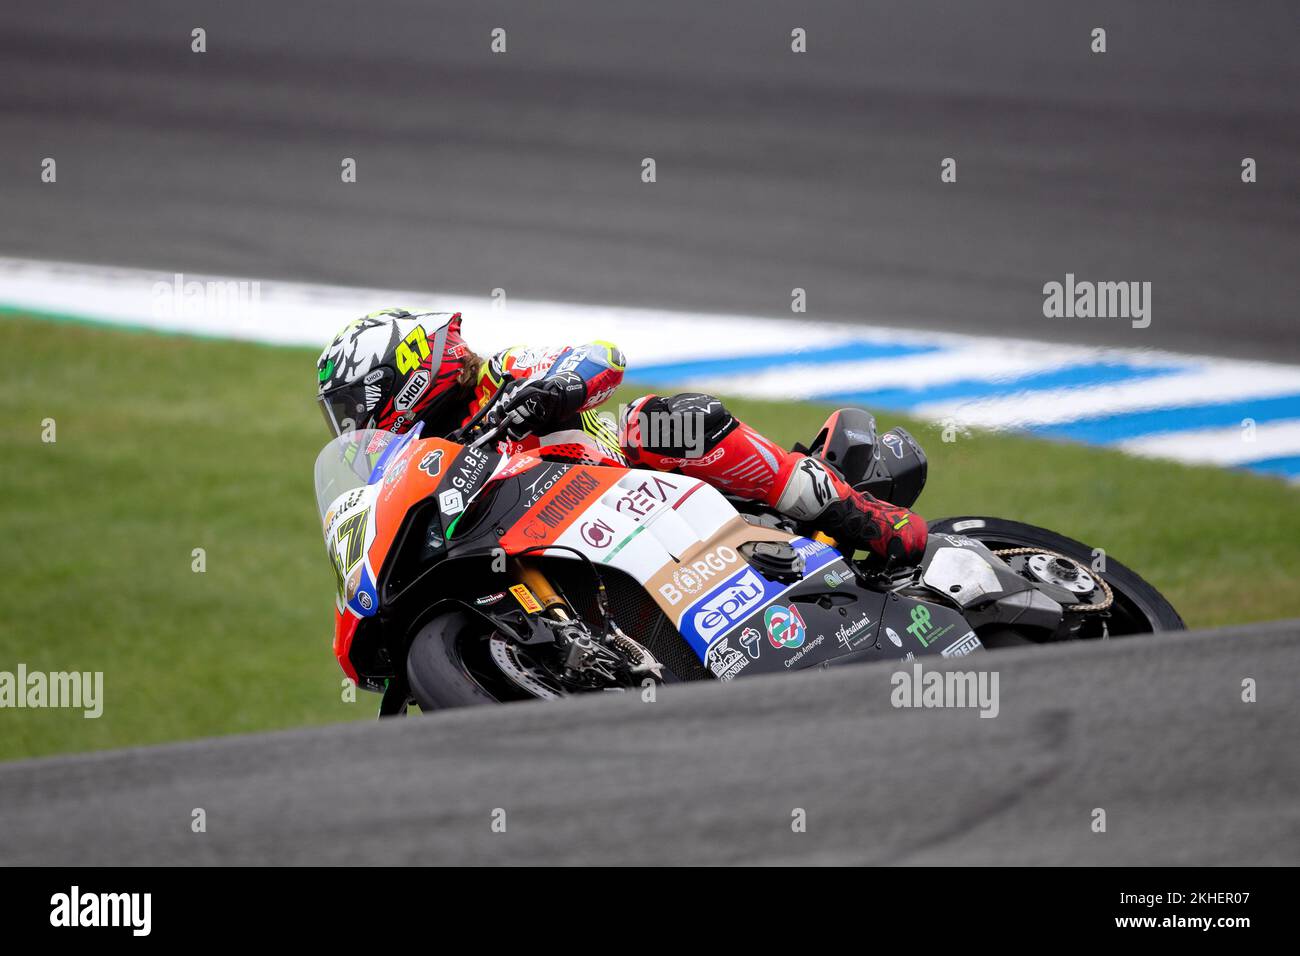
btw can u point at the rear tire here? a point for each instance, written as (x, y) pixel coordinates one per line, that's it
(1135, 598)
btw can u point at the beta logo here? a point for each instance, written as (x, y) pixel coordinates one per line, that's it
(785, 627)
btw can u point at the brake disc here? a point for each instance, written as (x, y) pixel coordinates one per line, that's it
(526, 675)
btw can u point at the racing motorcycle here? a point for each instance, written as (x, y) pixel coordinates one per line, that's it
(464, 576)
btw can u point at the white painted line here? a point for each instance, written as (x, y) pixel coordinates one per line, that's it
(1220, 382)
(289, 313)
(980, 361)
(1221, 446)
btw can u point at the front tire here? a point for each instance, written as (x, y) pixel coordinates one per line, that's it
(448, 665)
(1140, 608)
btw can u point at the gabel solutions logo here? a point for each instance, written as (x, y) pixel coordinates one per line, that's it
(75, 909)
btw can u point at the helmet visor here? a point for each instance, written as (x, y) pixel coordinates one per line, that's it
(352, 406)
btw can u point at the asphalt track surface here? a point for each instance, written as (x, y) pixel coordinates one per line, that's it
(1153, 731)
(775, 170)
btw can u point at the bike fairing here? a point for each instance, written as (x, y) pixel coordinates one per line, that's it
(651, 525)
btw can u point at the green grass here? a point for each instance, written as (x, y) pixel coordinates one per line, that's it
(167, 444)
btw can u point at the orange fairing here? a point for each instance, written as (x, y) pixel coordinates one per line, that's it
(548, 518)
(412, 476)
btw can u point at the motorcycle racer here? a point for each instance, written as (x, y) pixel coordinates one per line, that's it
(394, 368)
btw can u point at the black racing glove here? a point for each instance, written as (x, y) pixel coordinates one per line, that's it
(538, 404)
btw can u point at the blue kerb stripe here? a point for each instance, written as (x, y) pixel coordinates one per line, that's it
(1106, 429)
(671, 373)
(1287, 467)
(1074, 376)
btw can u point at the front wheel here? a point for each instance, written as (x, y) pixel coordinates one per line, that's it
(1138, 608)
(450, 664)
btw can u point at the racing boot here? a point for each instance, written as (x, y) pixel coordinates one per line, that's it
(812, 491)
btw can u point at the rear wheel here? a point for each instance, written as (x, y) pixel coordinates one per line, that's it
(1137, 608)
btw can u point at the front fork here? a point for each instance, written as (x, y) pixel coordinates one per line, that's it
(396, 699)
(397, 692)
(531, 577)
(584, 651)
(580, 644)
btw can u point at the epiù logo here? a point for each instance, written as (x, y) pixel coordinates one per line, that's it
(729, 605)
(75, 908)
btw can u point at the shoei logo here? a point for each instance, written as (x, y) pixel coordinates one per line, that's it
(411, 392)
(729, 606)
